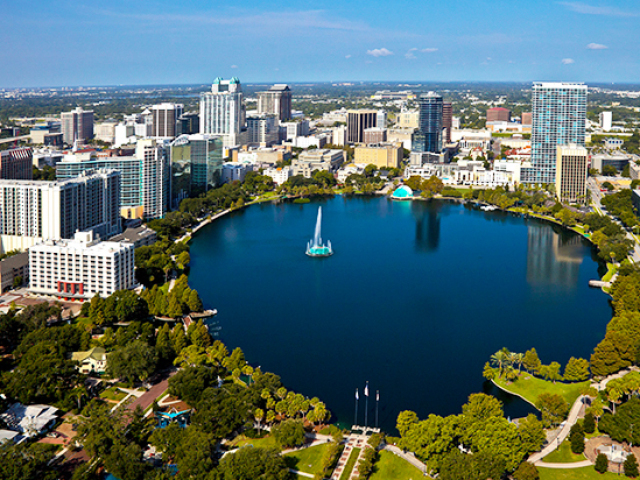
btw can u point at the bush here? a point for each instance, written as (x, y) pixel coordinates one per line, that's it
(526, 471)
(602, 463)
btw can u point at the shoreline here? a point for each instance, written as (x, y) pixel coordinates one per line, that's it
(513, 394)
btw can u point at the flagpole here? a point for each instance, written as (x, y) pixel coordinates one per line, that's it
(366, 403)
(377, 401)
(355, 417)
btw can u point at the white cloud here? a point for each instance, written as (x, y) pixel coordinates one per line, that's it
(234, 66)
(568, 61)
(409, 55)
(586, 9)
(347, 56)
(379, 52)
(429, 50)
(596, 46)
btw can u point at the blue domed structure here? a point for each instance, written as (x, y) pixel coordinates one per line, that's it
(217, 81)
(234, 81)
(402, 193)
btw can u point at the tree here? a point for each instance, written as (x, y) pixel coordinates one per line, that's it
(289, 433)
(609, 171)
(174, 309)
(405, 421)
(26, 461)
(576, 438)
(526, 471)
(532, 434)
(195, 304)
(482, 407)
(250, 463)
(164, 348)
(531, 360)
(135, 361)
(631, 466)
(194, 453)
(190, 383)
(488, 372)
(602, 463)
(577, 370)
(589, 423)
(554, 408)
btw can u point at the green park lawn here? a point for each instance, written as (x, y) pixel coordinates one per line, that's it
(530, 387)
(353, 456)
(563, 455)
(113, 393)
(307, 460)
(265, 442)
(583, 473)
(611, 270)
(392, 466)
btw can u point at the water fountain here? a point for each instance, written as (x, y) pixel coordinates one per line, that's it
(315, 247)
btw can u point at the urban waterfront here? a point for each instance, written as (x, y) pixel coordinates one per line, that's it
(415, 299)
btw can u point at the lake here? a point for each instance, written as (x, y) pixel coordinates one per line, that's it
(415, 299)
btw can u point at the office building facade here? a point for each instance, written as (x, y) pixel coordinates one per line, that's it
(428, 137)
(81, 268)
(447, 120)
(276, 101)
(263, 130)
(16, 164)
(164, 120)
(77, 125)
(196, 165)
(222, 111)
(358, 121)
(571, 174)
(559, 118)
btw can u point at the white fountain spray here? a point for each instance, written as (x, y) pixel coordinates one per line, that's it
(315, 247)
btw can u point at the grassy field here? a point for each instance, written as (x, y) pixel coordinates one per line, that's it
(346, 473)
(307, 460)
(584, 473)
(611, 270)
(392, 466)
(266, 442)
(113, 393)
(531, 387)
(563, 455)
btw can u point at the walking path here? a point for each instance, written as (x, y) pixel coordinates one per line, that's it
(583, 463)
(409, 457)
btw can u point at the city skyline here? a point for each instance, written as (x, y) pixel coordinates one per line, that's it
(65, 44)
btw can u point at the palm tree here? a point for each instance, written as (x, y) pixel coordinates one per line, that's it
(518, 359)
(499, 358)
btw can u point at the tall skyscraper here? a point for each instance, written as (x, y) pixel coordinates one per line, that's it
(165, 119)
(358, 121)
(571, 174)
(276, 101)
(196, 165)
(447, 119)
(156, 177)
(428, 137)
(559, 118)
(222, 111)
(77, 125)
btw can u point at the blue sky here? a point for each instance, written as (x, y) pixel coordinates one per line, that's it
(66, 43)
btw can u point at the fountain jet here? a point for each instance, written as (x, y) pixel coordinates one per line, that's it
(315, 247)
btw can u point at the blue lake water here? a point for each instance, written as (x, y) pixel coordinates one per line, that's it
(415, 299)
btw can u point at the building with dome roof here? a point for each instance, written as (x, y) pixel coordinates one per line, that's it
(402, 193)
(222, 111)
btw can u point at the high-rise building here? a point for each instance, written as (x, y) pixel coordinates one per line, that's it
(428, 137)
(81, 268)
(196, 165)
(16, 164)
(559, 118)
(606, 121)
(498, 114)
(188, 124)
(77, 125)
(447, 119)
(571, 173)
(276, 101)
(144, 177)
(32, 211)
(381, 119)
(222, 111)
(164, 120)
(262, 130)
(357, 122)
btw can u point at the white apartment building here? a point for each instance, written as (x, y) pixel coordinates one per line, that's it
(77, 125)
(156, 177)
(80, 268)
(606, 119)
(263, 130)
(34, 211)
(232, 171)
(279, 175)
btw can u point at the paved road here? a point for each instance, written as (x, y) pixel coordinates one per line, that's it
(146, 399)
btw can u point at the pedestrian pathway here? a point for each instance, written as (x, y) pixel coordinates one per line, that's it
(408, 456)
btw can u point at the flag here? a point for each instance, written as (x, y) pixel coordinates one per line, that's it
(357, 394)
(366, 390)
(377, 395)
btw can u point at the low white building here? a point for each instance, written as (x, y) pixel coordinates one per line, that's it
(80, 268)
(279, 175)
(351, 169)
(232, 171)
